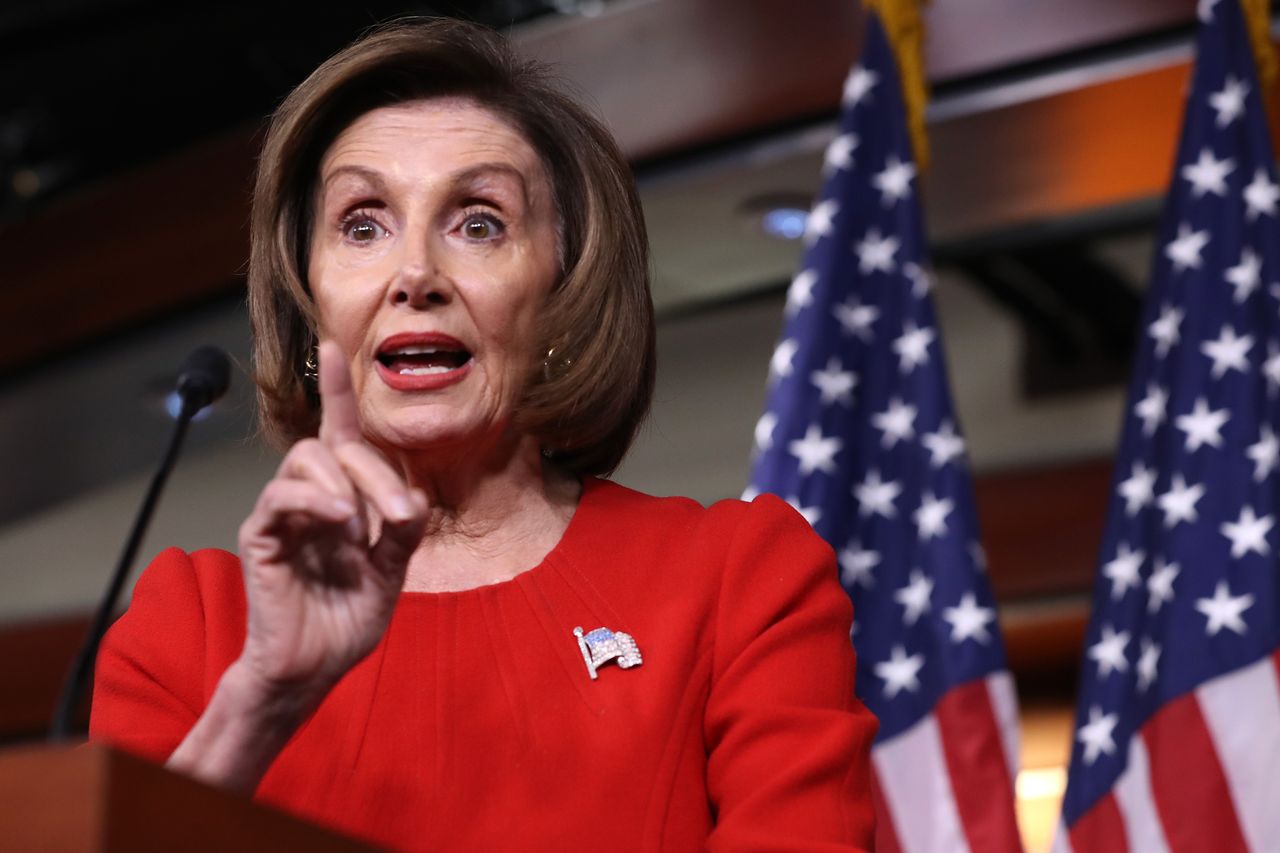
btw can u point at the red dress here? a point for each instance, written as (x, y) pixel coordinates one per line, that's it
(475, 725)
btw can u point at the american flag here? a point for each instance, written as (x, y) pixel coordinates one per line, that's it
(1177, 738)
(860, 437)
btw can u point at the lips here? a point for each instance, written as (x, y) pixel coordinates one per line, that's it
(422, 361)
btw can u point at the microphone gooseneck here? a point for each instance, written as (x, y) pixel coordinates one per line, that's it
(203, 378)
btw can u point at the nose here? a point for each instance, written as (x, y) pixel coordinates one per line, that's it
(420, 285)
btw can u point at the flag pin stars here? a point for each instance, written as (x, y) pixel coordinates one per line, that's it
(601, 645)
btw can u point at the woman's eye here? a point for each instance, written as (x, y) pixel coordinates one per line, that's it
(362, 229)
(479, 226)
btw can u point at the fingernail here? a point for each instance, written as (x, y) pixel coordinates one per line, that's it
(401, 509)
(343, 507)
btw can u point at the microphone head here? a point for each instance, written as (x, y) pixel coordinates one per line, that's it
(203, 378)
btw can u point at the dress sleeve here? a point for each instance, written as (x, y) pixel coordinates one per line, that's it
(788, 743)
(152, 677)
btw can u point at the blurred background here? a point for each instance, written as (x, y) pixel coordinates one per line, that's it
(128, 133)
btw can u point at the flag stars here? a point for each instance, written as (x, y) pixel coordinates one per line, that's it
(1148, 661)
(811, 514)
(780, 362)
(1204, 10)
(855, 318)
(914, 597)
(1265, 454)
(875, 252)
(1108, 652)
(1151, 409)
(1184, 250)
(1123, 570)
(900, 672)
(1271, 368)
(856, 564)
(969, 621)
(913, 346)
(764, 430)
(1245, 276)
(931, 517)
(1228, 352)
(876, 497)
(1179, 503)
(1228, 102)
(800, 293)
(1208, 175)
(839, 153)
(1248, 533)
(1096, 735)
(1160, 585)
(894, 182)
(1165, 329)
(821, 221)
(1202, 426)
(943, 445)
(1139, 490)
(1260, 196)
(858, 85)
(815, 452)
(921, 281)
(897, 422)
(1224, 610)
(834, 383)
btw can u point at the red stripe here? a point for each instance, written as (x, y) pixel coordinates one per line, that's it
(886, 835)
(1100, 829)
(1187, 781)
(980, 781)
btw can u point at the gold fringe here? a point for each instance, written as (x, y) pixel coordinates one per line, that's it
(905, 29)
(1257, 17)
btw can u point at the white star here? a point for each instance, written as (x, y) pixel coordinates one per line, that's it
(968, 620)
(1108, 652)
(1228, 352)
(1139, 489)
(1184, 250)
(811, 514)
(1248, 533)
(876, 497)
(856, 86)
(1179, 503)
(897, 422)
(855, 318)
(839, 154)
(1223, 610)
(894, 182)
(1204, 10)
(856, 564)
(931, 517)
(1123, 570)
(1147, 663)
(800, 293)
(1208, 175)
(876, 252)
(921, 283)
(1271, 367)
(1260, 196)
(815, 452)
(1265, 454)
(1160, 584)
(834, 383)
(899, 672)
(750, 493)
(820, 221)
(913, 347)
(914, 597)
(764, 430)
(1165, 329)
(943, 445)
(1151, 409)
(1228, 103)
(978, 556)
(1202, 426)
(1096, 734)
(780, 361)
(1245, 276)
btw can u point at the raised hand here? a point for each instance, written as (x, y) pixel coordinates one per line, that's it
(320, 588)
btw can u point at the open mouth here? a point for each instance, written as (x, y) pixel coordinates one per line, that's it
(417, 360)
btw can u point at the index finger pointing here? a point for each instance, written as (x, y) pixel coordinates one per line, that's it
(339, 414)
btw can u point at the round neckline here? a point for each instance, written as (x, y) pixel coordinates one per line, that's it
(590, 486)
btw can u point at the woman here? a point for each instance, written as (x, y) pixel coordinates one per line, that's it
(442, 631)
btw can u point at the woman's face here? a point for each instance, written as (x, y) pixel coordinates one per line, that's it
(433, 249)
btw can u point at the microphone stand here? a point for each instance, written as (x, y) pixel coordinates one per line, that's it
(78, 677)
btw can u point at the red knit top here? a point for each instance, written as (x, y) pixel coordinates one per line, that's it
(475, 724)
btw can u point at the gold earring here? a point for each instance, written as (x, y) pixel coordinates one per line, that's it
(311, 367)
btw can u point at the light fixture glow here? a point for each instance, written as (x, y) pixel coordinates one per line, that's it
(785, 223)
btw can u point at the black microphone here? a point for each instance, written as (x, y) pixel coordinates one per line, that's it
(202, 379)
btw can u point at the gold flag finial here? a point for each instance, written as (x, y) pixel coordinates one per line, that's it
(904, 27)
(1257, 18)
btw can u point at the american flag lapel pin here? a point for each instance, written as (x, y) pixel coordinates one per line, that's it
(600, 646)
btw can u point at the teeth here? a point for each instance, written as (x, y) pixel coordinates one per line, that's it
(424, 371)
(417, 351)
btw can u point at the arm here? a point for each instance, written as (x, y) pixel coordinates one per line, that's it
(788, 743)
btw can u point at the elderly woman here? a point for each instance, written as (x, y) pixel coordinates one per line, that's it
(442, 630)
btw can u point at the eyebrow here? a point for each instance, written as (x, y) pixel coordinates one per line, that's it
(471, 174)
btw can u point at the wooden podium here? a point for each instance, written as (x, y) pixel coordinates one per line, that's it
(94, 798)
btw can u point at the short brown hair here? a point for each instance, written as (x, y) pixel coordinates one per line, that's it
(586, 402)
